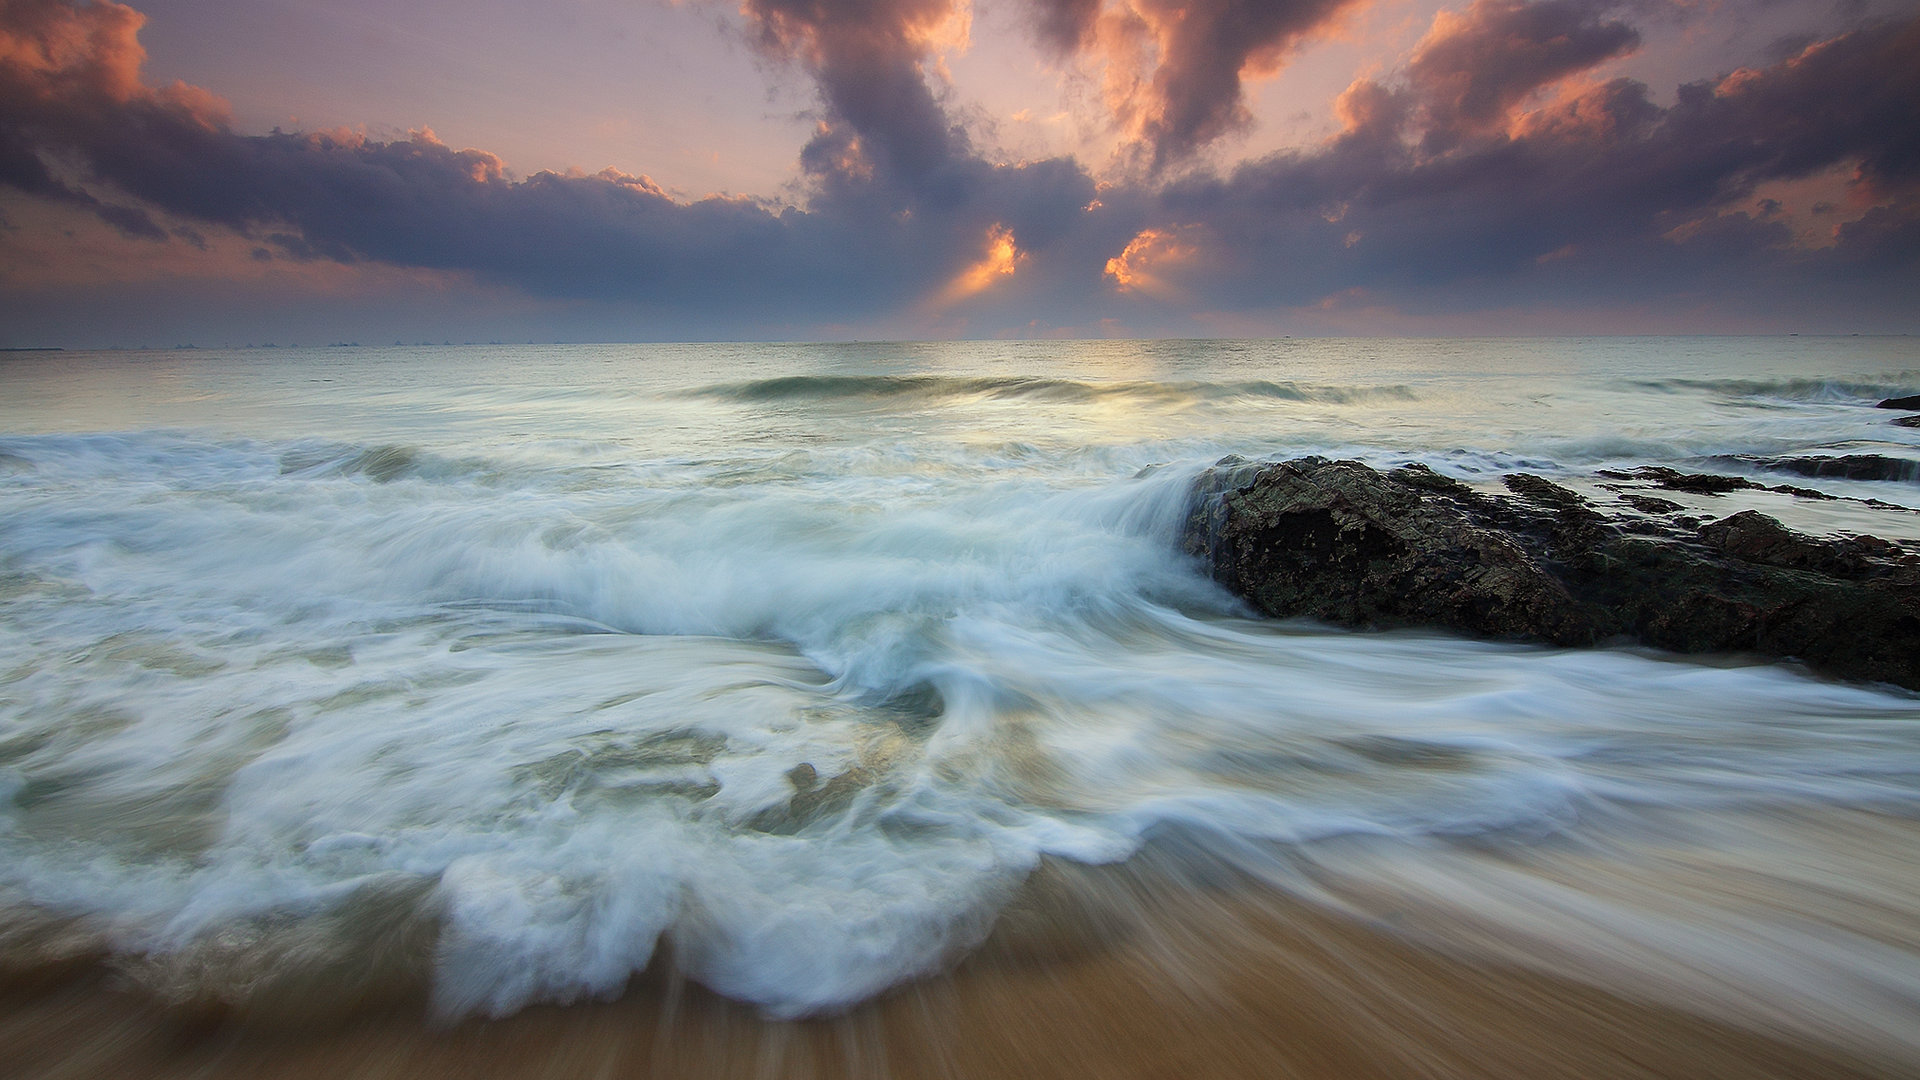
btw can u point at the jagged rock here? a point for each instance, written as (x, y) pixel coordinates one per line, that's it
(1399, 553)
(1716, 484)
(1647, 504)
(1756, 538)
(1544, 491)
(1340, 541)
(1806, 493)
(1907, 421)
(1674, 480)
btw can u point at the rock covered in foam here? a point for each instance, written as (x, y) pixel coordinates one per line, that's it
(1340, 541)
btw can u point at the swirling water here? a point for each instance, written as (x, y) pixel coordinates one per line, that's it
(803, 657)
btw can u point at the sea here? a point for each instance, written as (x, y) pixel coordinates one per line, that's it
(522, 667)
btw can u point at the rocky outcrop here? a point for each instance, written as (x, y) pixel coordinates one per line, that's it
(1910, 402)
(1340, 541)
(1836, 466)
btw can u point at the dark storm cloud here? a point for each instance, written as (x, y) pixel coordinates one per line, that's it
(47, 55)
(895, 176)
(1065, 27)
(1205, 46)
(898, 182)
(867, 57)
(1599, 190)
(1476, 67)
(69, 80)
(1854, 96)
(21, 168)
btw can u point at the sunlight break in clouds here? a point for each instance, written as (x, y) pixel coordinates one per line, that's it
(1141, 266)
(1002, 260)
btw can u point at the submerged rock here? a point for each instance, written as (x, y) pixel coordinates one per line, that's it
(1340, 541)
(1713, 484)
(1694, 483)
(1648, 504)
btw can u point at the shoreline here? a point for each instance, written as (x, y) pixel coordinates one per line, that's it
(1112, 972)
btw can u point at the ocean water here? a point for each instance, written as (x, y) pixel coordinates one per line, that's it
(497, 667)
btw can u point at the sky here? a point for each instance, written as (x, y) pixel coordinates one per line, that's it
(226, 172)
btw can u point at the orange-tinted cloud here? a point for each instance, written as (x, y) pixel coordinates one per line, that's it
(1474, 67)
(61, 66)
(1144, 264)
(49, 48)
(1175, 69)
(1612, 110)
(1001, 260)
(902, 210)
(1367, 107)
(1455, 172)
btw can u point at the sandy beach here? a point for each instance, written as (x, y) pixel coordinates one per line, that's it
(1090, 973)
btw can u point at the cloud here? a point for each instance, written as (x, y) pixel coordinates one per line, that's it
(1206, 47)
(1473, 68)
(1498, 167)
(69, 80)
(1598, 192)
(1175, 69)
(1141, 265)
(51, 52)
(53, 48)
(1065, 27)
(868, 58)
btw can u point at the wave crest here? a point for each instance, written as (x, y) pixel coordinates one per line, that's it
(909, 389)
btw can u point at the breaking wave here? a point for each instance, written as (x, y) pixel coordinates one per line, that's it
(1834, 391)
(908, 390)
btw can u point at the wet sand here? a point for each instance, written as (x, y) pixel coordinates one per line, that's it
(1091, 973)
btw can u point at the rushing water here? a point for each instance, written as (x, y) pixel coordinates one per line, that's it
(802, 657)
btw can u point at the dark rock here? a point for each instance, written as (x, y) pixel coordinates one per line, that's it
(1337, 540)
(1756, 538)
(1804, 493)
(803, 776)
(1673, 480)
(1911, 401)
(1647, 504)
(1907, 421)
(1543, 491)
(1863, 466)
(1839, 466)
